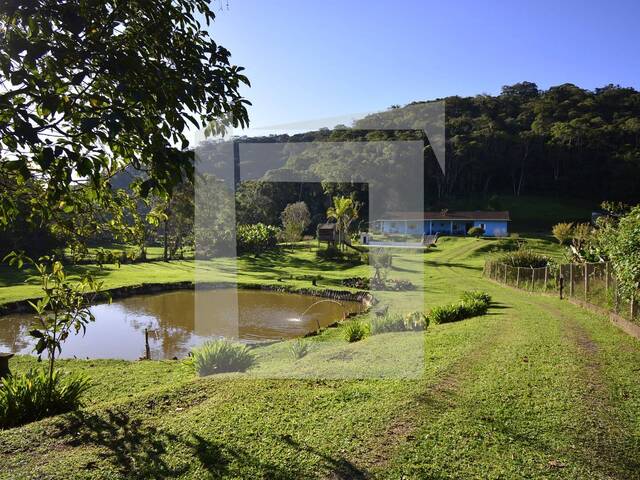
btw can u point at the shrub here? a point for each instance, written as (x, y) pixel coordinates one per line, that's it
(562, 232)
(299, 348)
(26, 397)
(524, 258)
(389, 322)
(355, 331)
(447, 313)
(471, 304)
(476, 232)
(219, 356)
(256, 238)
(395, 322)
(416, 321)
(471, 295)
(474, 308)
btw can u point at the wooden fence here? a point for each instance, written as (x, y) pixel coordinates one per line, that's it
(592, 283)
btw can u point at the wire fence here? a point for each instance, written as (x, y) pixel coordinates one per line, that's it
(592, 283)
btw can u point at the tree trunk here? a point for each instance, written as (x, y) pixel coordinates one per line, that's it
(166, 243)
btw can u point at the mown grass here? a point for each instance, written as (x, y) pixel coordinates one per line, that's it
(537, 388)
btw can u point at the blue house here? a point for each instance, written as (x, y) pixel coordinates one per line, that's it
(445, 222)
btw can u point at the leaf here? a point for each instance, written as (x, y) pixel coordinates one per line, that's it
(36, 333)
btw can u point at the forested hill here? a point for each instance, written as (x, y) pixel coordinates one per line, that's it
(564, 141)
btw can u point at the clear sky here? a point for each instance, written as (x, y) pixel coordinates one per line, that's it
(311, 59)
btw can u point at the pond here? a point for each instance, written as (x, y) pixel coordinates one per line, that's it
(118, 330)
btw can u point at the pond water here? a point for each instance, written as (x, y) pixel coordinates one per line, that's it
(118, 330)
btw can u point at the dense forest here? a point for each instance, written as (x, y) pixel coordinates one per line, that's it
(563, 142)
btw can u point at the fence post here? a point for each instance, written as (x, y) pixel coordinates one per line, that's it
(633, 308)
(606, 278)
(533, 278)
(505, 273)
(586, 281)
(571, 279)
(518, 278)
(616, 302)
(561, 283)
(546, 278)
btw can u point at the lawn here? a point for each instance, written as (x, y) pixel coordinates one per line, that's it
(538, 388)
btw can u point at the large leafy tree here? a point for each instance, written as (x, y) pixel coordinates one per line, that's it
(90, 87)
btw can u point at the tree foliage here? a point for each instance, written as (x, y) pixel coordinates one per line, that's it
(564, 141)
(621, 241)
(90, 88)
(562, 232)
(344, 211)
(295, 218)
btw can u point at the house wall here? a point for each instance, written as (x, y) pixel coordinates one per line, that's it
(493, 228)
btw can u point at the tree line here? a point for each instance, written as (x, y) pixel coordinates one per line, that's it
(565, 142)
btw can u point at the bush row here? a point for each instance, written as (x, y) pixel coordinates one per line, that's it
(471, 304)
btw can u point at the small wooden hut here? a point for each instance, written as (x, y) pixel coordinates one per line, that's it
(327, 232)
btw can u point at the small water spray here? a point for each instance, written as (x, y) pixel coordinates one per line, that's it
(316, 303)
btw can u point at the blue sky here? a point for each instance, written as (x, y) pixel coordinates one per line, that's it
(315, 59)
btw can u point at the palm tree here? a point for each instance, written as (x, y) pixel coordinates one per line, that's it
(344, 211)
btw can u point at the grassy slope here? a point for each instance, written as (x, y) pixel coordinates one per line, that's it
(536, 389)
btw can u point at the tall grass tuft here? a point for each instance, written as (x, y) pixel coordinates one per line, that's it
(220, 356)
(355, 330)
(395, 322)
(389, 322)
(471, 295)
(299, 348)
(25, 397)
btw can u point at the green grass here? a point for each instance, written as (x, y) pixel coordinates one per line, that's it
(537, 388)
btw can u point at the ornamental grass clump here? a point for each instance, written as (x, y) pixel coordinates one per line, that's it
(389, 322)
(34, 395)
(355, 330)
(220, 356)
(470, 295)
(396, 322)
(299, 348)
(471, 304)
(416, 321)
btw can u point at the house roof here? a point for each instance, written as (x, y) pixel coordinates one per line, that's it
(326, 226)
(452, 215)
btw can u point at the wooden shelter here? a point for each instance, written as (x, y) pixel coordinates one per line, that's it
(327, 232)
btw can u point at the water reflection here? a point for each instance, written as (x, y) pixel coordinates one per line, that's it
(118, 331)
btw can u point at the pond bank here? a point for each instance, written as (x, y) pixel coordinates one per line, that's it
(363, 297)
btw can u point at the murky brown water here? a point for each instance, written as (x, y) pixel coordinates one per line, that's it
(118, 331)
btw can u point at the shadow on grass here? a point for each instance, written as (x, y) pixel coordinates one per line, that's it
(436, 264)
(136, 449)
